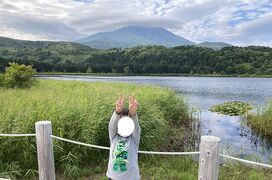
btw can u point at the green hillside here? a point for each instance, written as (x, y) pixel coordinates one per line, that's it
(42, 54)
(74, 57)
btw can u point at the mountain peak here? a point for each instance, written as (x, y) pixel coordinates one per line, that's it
(131, 36)
(143, 28)
(213, 45)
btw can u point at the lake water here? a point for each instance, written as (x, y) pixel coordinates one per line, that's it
(204, 92)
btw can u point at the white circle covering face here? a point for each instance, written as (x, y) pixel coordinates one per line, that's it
(125, 126)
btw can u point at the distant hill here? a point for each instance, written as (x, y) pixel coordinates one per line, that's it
(213, 45)
(132, 36)
(43, 54)
(16, 43)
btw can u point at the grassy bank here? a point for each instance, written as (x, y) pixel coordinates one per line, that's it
(176, 168)
(261, 123)
(81, 111)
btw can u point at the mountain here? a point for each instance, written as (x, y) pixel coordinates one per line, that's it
(213, 45)
(16, 43)
(132, 36)
(43, 54)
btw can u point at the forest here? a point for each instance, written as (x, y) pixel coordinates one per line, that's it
(73, 57)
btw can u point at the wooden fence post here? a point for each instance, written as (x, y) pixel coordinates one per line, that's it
(209, 158)
(45, 150)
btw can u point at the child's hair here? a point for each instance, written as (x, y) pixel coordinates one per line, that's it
(125, 112)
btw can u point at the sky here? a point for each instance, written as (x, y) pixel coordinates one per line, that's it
(238, 22)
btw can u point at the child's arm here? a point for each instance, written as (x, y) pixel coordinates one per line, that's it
(115, 117)
(137, 131)
(113, 125)
(133, 106)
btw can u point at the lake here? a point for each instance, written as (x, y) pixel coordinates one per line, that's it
(204, 92)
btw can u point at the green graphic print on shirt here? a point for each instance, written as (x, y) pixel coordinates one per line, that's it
(120, 155)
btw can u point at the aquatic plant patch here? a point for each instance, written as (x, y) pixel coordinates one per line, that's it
(234, 108)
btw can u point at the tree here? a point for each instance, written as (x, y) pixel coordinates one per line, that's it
(144, 59)
(126, 69)
(19, 76)
(89, 70)
(113, 70)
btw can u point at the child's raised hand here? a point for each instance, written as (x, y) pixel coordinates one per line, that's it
(133, 106)
(119, 105)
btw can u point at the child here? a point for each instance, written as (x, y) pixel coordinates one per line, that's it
(124, 133)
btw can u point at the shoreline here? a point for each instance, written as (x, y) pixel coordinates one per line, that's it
(155, 75)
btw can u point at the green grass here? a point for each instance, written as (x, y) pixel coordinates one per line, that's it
(261, 123)
(81, 111)
(175, 168)
(180, 167)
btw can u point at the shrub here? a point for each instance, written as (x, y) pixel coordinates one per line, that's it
(19, 76)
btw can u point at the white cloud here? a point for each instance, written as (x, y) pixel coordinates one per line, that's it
(239, 22)
(255, 32)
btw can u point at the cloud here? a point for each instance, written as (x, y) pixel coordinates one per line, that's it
(196, 11)
(254, 32)
(262, 26)
(46, 28)
(236, 23)
(240, 22)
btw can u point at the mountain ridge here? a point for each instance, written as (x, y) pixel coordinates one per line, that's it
(213, 45)
(126, 37)
(132, 36)
(18, 43)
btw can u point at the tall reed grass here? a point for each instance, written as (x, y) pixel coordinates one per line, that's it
(261, 123)
(80, 111)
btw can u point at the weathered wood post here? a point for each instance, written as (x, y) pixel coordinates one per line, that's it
(45, 150)
(209, 158)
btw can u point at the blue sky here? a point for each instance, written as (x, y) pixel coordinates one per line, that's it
(239, 22)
